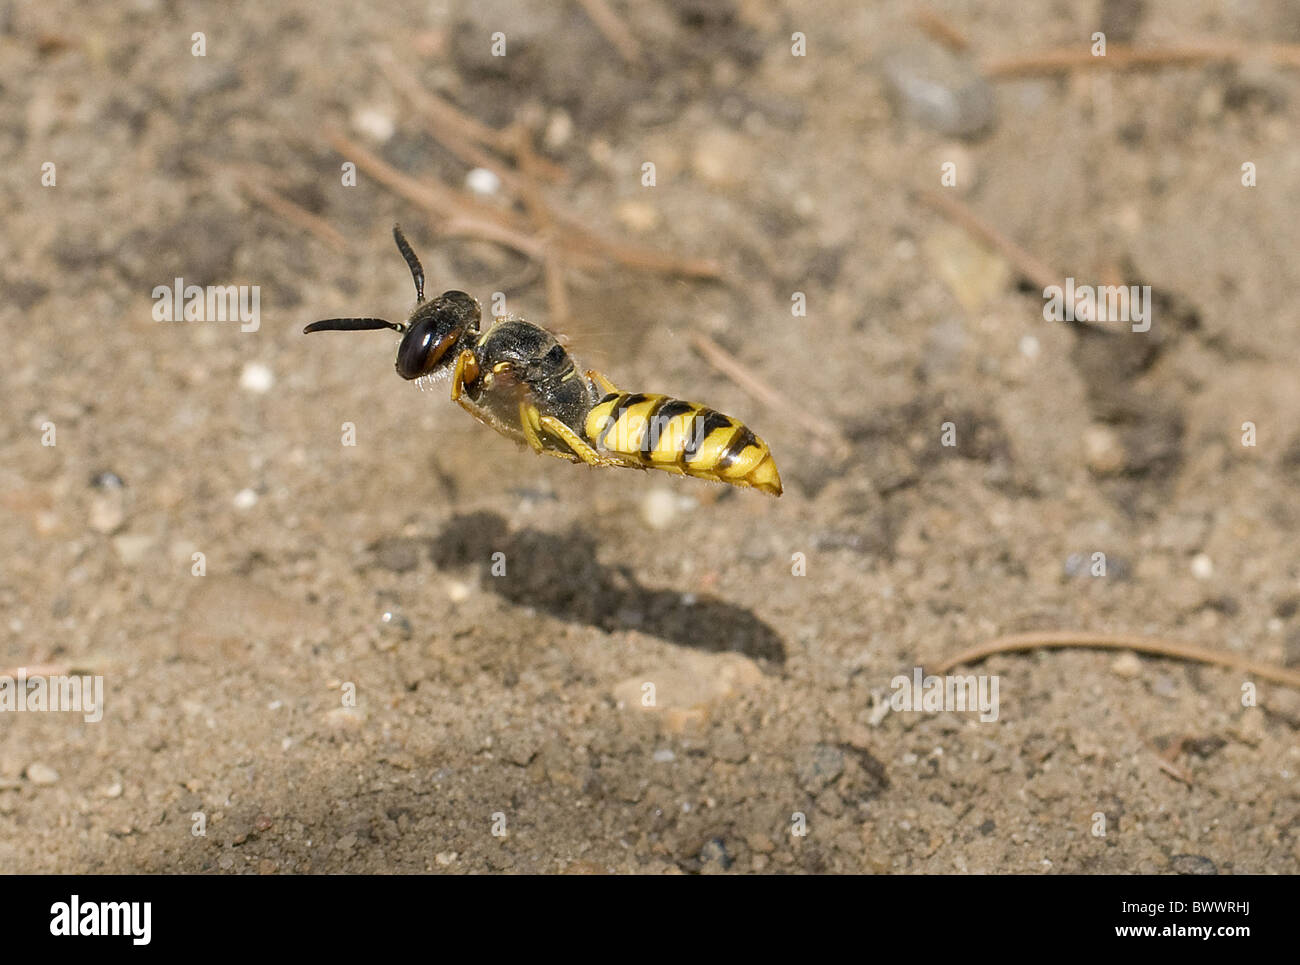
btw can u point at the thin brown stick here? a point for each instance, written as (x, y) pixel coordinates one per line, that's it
(508, 228)
(454, 215)
(455, 135)
(294, 214)
(1173, 770)
(434, 197)
(1064, 59)
(734, 369)
(1025, 264)
(614, 30)
(583, 239)
(465, 227)
(939, 29)
(442, 112)
(1056, 639)
(454, 129)
(1035, 271)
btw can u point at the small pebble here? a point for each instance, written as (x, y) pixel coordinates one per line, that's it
(457, 591)
(107, 511)
(39, 773)
(1202, 567)
(722, 158)
(345, 718)
(397, 555)
(659, 508)
(106, 480)
(637, 216)
(131, 549)
(1192, 864)
(940, 90)
(664, 756)
(1127, 666)
(245, 499)
(559, 130)
(445, 858)
(256, 377)
(821, 767)
(374, 123)
(482, 181)
(1103, 450)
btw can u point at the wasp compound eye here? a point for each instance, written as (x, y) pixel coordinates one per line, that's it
(426, 344)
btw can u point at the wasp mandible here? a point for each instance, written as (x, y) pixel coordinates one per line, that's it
(517, 378)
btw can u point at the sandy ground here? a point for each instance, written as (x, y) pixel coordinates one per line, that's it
(349, 687)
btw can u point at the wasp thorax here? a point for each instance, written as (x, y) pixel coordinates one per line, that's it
(432, 330)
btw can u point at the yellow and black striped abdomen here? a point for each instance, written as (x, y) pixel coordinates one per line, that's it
(682, 437)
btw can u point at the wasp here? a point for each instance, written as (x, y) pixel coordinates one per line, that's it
(517, 378)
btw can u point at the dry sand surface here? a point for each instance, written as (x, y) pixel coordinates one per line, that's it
(340, 681)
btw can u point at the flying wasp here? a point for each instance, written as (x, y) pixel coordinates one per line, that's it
(517, 378)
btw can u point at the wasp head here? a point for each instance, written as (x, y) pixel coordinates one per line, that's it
(431, 332)
(433, 329)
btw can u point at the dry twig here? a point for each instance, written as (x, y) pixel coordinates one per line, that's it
(1065, 59)
(614, 30)
(1056, 639)
(734, 369)
(293, 213)
(939, 29)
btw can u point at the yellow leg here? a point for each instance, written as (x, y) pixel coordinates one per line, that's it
(581, 448)
(466, 369)
(605, 384)
(574, 441)
(530, 420)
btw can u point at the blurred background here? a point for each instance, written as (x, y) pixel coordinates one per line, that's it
(833, 221)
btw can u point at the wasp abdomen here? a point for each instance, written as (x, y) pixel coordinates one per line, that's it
(682, 437)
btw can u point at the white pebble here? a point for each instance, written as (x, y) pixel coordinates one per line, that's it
(1029, 347)
(1202, 566)
(1127, 665)
(659, 508)
(39, 773)
(457, 591)
(664, 756)
(482, 181)
(245, 499)
(374, 123)
(558, 130)
(256, 377)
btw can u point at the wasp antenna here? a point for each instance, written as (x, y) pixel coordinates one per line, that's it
(412, 262)
(352, 325)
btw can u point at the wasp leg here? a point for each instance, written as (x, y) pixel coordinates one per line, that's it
(466, 371)
(530, 420)
(581, 448)
(605, 384)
